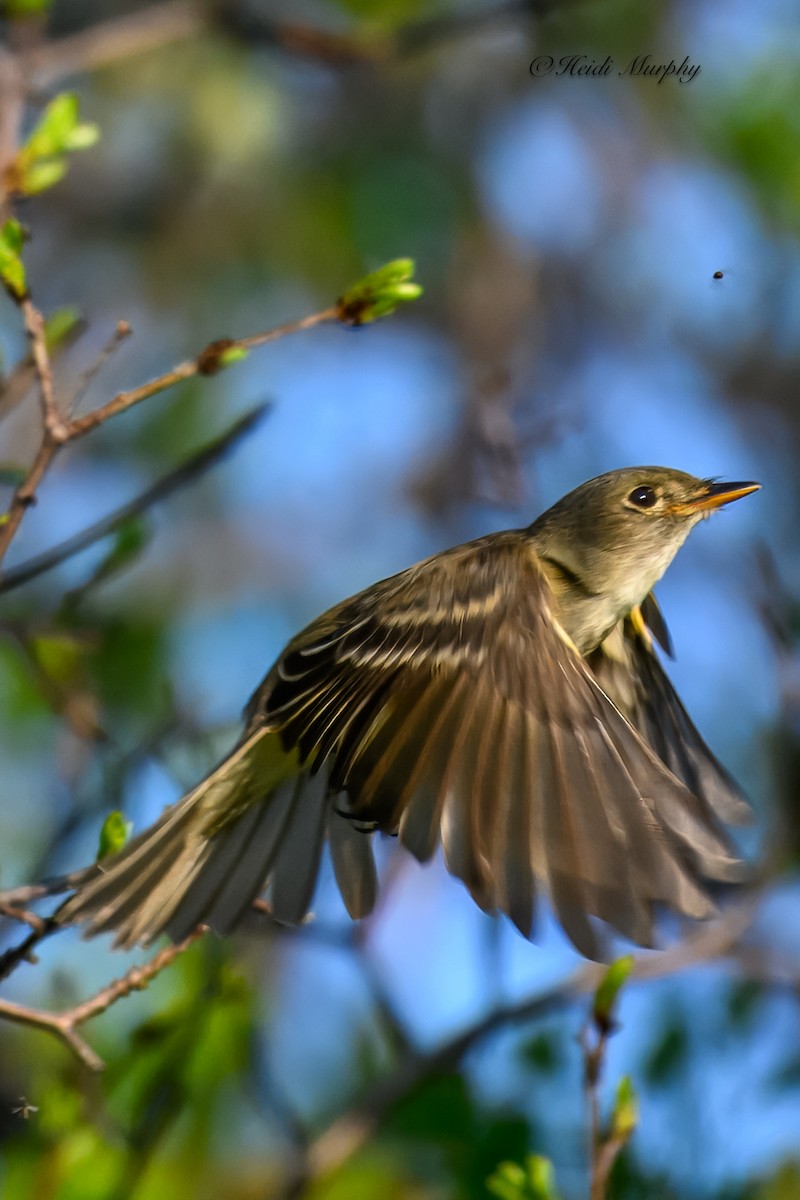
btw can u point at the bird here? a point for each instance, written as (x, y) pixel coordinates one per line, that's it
(502, 700)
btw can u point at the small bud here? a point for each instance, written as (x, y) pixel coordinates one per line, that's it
(113, 835)
(223, 352)
(379, 294)
(626, 1110)
(608, 989)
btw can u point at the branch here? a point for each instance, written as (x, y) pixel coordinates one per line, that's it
(65, 1025)
(117, 38)
(171, 21)
(12, 107)
(34, 327)
(208, 362)
(56, 435)
(178, 477)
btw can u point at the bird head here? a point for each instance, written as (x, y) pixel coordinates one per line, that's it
(616, 534)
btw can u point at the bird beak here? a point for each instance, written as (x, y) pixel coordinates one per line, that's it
(714, 495)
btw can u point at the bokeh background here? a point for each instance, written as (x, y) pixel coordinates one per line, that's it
(254, 161)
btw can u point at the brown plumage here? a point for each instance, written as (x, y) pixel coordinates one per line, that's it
(503, 700)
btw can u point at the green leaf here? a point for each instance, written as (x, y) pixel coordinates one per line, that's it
(49, 136)
(83, 136)
(608, 990)
(14, 235)
(626, 1110)
(41, 161)
(113, 835)
(379, 294)
(43, 175)
(534, 1181)
(12, 268)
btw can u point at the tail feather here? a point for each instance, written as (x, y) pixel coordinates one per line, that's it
(220, 895)
(117, 887)
(353, 865)
(296, 868)
(210, 855)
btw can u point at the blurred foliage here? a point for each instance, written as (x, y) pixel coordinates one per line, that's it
(533, 1181)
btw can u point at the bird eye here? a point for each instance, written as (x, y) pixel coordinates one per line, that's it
(642, 497)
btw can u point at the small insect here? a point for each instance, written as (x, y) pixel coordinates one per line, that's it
(718, 275)
(24, 1109)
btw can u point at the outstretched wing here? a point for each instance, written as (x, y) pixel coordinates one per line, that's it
(447, 705)
(627, 668)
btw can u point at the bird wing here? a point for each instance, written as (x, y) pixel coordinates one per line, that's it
(447, 705)
(627, 668)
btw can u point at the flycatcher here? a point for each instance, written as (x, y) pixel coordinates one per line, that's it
(503, 699)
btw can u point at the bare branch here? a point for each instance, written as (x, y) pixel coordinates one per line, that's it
(122, 330)
(134, 980)
(55, 1023)
(12, 107)
(34, 327)
(208, 362)
(173, 21)
(115, 39)
(24, 915)
(66, 1025)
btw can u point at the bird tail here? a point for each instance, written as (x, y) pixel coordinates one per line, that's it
(256, 818)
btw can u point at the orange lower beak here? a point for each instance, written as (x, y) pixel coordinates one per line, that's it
(714, 495)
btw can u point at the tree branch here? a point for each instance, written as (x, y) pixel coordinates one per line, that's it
(65, 1025)
(34, 327)
(208, 362)
(115, 39)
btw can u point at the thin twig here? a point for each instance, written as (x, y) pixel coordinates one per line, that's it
(603, 1152)
(66, 1025)
(24, 951)
(12, 107)
(23, 915)
(208, 362)
(55, 1023)
(177, 478)
(115, 39)
(122, 330)
(124, 37)
(25, 494)
(34, 327)
(21, 378)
